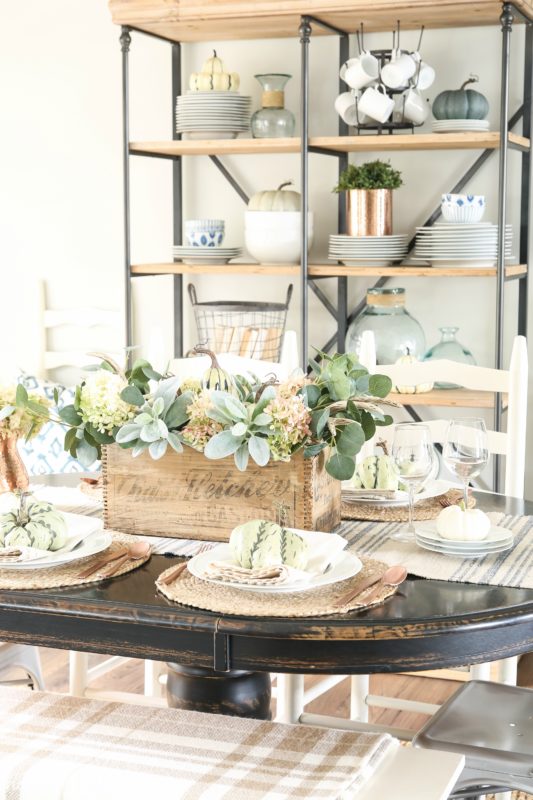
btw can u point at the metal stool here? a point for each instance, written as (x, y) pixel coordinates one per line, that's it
(492, 725)
(26, 658)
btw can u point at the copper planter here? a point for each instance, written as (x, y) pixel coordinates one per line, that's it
(369, 212)
(13, 473)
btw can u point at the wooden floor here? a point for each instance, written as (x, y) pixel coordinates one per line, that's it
(129, 677)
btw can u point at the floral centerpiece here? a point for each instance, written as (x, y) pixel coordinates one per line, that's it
(335, 409)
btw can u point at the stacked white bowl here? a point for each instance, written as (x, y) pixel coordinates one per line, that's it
(463, 207)
(274, 237)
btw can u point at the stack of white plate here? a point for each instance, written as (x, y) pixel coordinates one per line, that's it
(461, 244)
(497, 541)
(460, 125)
(205, 255)
(376, 251)
(212, 115)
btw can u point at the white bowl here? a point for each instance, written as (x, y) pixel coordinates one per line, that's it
(275, 241)
(463, 207)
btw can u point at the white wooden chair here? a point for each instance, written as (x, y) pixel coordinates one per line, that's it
(511, 444)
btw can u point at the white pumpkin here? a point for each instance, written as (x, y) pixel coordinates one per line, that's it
(463, 524)
(213, 77)
(276, 200)
(32, 523)
(420, 388)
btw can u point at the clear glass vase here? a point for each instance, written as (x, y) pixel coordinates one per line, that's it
(395, 331)
(451, 349)
(273, 120)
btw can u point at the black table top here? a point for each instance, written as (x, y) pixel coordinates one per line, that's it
(429, 624)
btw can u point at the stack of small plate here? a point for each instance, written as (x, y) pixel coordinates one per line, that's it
(461, 244)
(376, 251)
(205, 255)
(497, 541)
(460, 125)
(212, 115)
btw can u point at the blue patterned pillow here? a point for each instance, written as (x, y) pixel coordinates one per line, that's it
(45, 454)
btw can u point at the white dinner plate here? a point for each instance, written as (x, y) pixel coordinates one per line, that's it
(433, 489)
(345, 566)
(94, 543)
(435, 548)
(496, 535)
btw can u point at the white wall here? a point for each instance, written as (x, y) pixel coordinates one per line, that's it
(61, 171)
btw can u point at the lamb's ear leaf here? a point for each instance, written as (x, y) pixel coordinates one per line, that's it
(222, 444)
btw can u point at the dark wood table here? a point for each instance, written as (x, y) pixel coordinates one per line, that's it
(430, 624)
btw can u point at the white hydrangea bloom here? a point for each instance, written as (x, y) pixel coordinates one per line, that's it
(100, 401)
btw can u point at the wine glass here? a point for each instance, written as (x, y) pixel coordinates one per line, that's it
(412, 452)
(465, 450)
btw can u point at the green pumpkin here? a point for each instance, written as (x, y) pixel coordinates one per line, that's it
(261, 543)
(33, 524)
(461, 103)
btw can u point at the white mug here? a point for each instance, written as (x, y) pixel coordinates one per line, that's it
(424, 75)
(375, 103)
(346, 65)
(361, 71)
(415, 109)
(346, 108)
(398, 71)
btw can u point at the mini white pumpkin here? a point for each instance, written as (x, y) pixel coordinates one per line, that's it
(213, 77)
(276, 200)
(420, 388)
(463, 524)
(32, 523)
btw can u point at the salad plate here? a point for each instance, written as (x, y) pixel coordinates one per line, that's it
(93, 543)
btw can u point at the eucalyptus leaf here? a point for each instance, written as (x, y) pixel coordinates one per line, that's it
(386, 420)
(314, 449)
(56, 395)
(221, 445)
(340, 467)
(151, 373)
(158, 449)
(362, 384)
(175, 442)
(69, 415)
(86, 453)
(259, 450)
(338, 383)
(21, 396)
(70, 438)
(177, 413)
(319, 420)
(368, 424)
(150, 432)
(311, 395)
(37, 408)
(350, 439)
(241, 457)
(380, 385)
(98, 436)
(132, 395)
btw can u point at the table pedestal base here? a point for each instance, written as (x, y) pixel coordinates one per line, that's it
(236, 693)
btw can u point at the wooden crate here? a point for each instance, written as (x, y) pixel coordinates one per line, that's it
(190, 497)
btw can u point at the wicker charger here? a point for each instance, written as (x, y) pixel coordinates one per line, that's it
(424, 509)
(67, 574)
(190, 591)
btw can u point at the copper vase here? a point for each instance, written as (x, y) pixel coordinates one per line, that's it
(369, 212)
(13, 474)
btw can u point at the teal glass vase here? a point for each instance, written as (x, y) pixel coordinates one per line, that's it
(395, 331)
(452, 350)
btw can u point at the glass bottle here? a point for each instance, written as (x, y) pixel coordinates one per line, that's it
(449, 348)
(395, 331)
(273, 120)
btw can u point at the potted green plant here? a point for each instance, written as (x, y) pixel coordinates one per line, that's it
(368, 191)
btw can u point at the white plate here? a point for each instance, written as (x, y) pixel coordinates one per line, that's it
(198, 136)
(496, 535)
(434, 548)
(94, 543)
(345, 566)
(433, 489)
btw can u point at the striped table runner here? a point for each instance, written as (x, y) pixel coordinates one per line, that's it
(57, 747)
(511, 568)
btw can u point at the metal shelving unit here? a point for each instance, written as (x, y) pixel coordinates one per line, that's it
(339, 147)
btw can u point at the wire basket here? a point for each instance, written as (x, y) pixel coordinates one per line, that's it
(244, 328)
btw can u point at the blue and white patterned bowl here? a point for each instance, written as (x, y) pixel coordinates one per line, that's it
(463, 207)
(204, 232)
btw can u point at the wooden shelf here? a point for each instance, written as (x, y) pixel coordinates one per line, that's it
(460, 398)
(204, 20)
(338, 144)
(322, 270)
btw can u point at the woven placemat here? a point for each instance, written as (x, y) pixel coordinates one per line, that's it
(423, 509)
(67, 575)
(190, 591)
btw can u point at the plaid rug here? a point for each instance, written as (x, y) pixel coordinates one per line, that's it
(57, 747)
